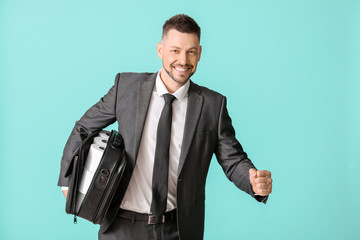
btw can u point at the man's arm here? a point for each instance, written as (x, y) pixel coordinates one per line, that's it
(234, 160)
(100, 115)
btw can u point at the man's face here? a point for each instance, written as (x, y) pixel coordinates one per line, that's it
(180, 54)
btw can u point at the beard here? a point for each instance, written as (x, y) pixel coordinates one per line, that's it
(177, 80)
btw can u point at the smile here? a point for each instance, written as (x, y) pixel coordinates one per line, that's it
(181, 69)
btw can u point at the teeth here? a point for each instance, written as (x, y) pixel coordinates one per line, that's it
(181, 69)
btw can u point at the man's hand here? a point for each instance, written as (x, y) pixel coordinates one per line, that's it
(65, 192)
(261, 181)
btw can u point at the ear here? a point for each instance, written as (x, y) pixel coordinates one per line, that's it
(199, 55)
(159, 49)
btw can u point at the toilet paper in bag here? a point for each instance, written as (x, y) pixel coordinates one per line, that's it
(94, 157)
(86, 179)
(100, 141)
(104, 134)
(92, 162)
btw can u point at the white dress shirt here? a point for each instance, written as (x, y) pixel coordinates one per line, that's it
(138, 195)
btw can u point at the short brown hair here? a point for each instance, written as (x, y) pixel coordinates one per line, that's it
(182, 23)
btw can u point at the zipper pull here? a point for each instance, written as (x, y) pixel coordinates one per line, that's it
(75, 219)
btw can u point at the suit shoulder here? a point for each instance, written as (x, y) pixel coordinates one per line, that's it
(206, 92)
(134, 77)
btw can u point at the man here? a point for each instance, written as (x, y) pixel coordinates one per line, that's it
(171, 128)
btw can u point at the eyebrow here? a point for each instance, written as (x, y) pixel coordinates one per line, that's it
(180, 48)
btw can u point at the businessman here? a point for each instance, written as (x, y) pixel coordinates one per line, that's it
(171, 128)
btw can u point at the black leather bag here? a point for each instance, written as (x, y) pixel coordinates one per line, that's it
(94, 205)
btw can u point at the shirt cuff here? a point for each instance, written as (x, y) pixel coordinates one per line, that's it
(261, 198)
(64, 188)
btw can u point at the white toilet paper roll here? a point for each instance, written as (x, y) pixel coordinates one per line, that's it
(104, 134)
(93, 158)
(86, 179)
(100, 141)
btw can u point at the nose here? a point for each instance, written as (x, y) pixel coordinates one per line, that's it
(183, 58)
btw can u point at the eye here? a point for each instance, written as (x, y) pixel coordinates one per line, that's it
(192, 52)
(174, 51)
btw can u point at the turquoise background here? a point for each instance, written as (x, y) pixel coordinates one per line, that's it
(290, 70)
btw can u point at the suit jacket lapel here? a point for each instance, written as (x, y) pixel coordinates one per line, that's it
(194, 106)
(145, 89)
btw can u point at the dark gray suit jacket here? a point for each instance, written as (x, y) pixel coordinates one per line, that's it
(208, 130)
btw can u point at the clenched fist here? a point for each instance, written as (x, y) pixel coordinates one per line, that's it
(261, 181)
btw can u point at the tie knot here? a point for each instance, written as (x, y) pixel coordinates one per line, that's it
(169, 98)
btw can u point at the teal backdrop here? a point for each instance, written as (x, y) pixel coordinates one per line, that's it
(291, 73)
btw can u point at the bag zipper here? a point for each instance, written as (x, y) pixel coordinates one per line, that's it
(79, 157)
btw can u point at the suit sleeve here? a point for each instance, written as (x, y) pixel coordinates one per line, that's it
(231, 156)
(100, 115)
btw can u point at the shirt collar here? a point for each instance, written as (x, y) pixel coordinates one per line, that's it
(180, 94)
